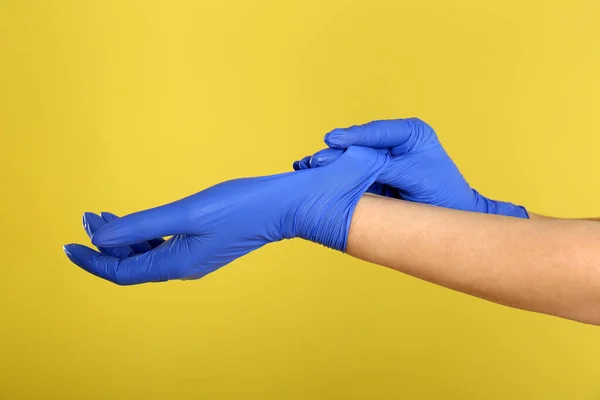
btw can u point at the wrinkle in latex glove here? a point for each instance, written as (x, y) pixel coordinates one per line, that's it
(215, 226)
(419, 170)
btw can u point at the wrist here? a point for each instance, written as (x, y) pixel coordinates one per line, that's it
(326, 197)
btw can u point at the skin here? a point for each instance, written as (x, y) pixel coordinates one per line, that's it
(545, 265)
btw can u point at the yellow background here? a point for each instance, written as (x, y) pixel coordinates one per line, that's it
(123, 105)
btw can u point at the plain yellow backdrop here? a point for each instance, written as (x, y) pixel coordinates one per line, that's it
(123, 105)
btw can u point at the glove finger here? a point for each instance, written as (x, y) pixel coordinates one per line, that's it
(319, 159)
(129, 271)
(170, 219)
(376, 134)
(138, 247)
(324, 157)
(93, 222)
(300, 167)
(327, 156)
(304, 163)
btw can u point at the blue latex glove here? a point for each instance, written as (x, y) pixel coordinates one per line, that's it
(419, 169)
(217, 225)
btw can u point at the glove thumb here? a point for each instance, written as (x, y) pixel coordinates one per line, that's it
(166, 220)
(400, 134)
(326, 157)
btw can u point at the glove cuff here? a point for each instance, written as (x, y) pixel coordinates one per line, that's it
(488, 206)
(323, 213)
(509, 209)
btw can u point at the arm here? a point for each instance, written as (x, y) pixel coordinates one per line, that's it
(549, 266)
(539, 216)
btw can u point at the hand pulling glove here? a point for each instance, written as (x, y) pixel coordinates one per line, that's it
(419, 170)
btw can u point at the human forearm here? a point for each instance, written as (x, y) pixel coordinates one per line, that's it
(543, 265)
(539, 216)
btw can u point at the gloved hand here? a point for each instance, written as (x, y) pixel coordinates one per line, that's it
(419, 169)
(217, 225)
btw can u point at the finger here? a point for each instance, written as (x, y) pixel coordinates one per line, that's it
(299, 167)
(324, 157)
(170, 219)
(378, 134)
(93, 222)
(138, 247)
(327, 156)
(129, 271)
(304, 163)
(301, 164)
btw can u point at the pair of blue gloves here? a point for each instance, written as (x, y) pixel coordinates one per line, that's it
(400, 158)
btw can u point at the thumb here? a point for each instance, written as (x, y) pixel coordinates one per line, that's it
(376, 134)
(166, 220)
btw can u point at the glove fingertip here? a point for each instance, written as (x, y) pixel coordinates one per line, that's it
(91, 222)
(84, 221)
(82, 256)
(324, 157)
(91, 261)
(84, 217)
(339, 139)
(68, 249)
